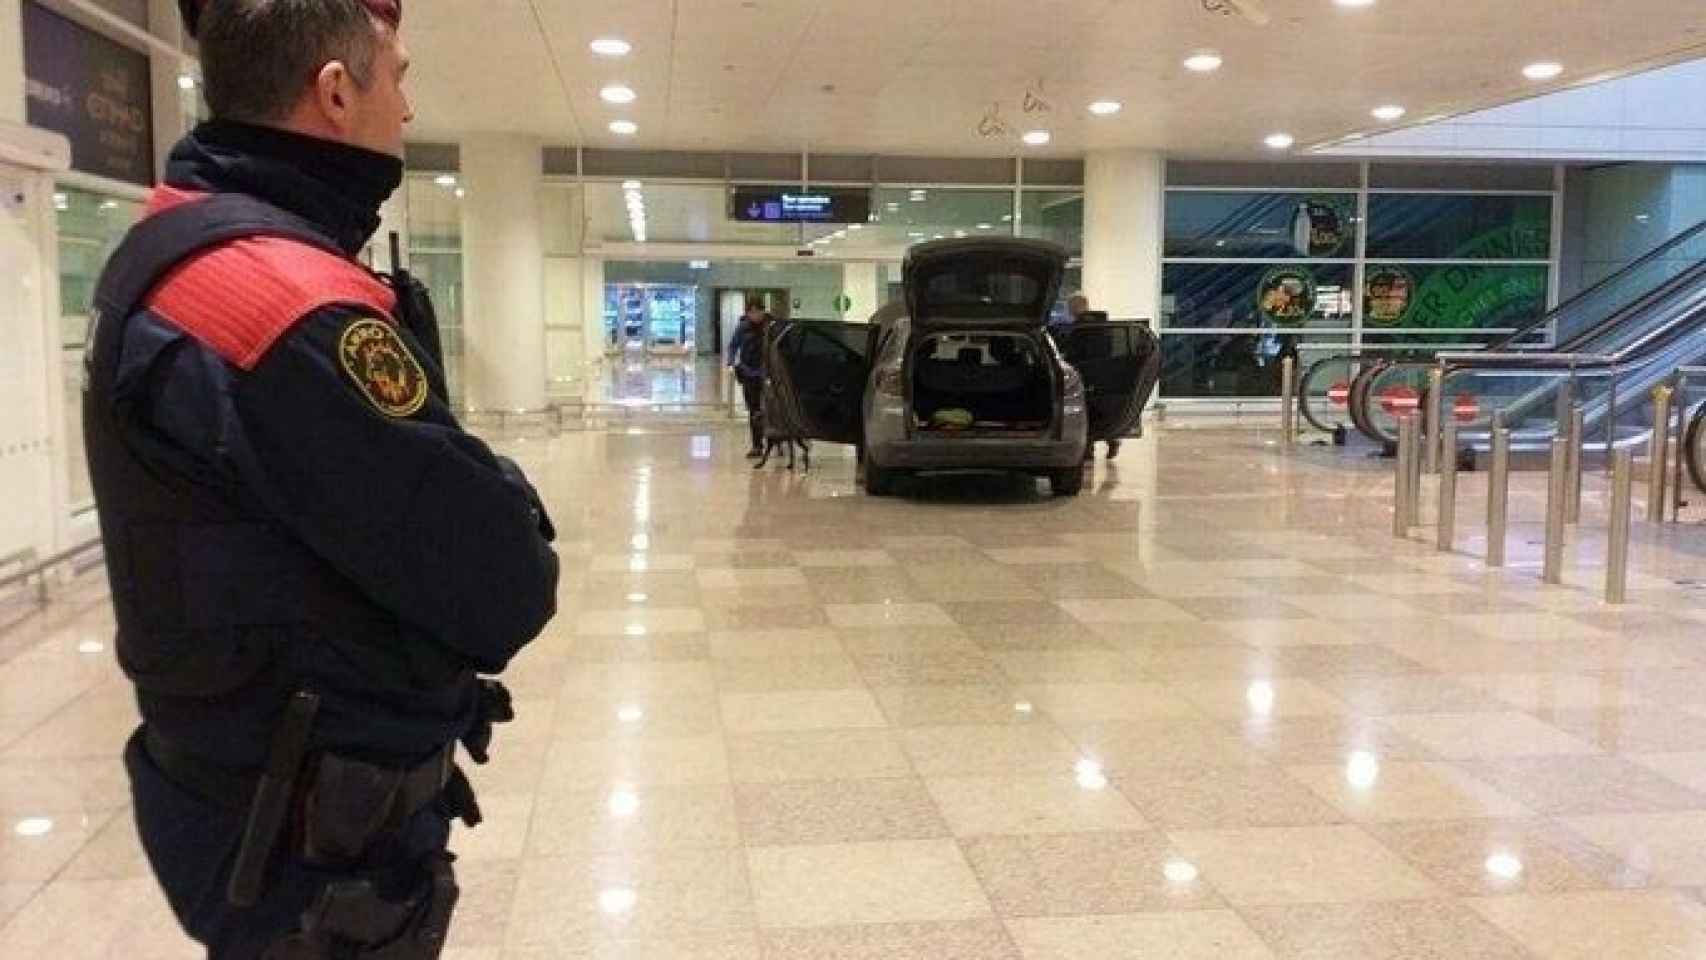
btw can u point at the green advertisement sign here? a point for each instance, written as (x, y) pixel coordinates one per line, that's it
(1286, 296)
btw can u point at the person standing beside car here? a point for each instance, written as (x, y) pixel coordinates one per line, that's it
(1081, 317)
(746, 358)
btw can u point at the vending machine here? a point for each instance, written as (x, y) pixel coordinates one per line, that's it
(30, 436)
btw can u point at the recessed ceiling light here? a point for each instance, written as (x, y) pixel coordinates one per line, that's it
(632, 185)
(624, 128)
(1544, 70)
(1354, 3)
(611, 47)
(186, 82)
(1205, 62)
(617, 93)
(1280, 141)
(1036, 138)
(986, 226)
(1105, 108)
(1389, 112)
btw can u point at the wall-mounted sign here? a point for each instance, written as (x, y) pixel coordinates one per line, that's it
(1321, 228)
(1387, 295)
(782, 204)
(1286, 296)
(94, 91)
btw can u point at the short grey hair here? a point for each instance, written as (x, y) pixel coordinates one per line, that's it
(258, 56)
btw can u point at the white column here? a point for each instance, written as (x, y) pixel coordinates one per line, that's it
(504, 267)
(171, 120)
(859, 283)
(11, 62)
(1123, 200)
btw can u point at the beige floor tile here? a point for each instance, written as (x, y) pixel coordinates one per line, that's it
(481, 921)
(776, 674)
(1377, 696)
(1323, 740)
(1688, 769)
(762, 578)
(1528, 625)
(1602, 926)
(766, 615)
(962, 939)
(1263, 608)
(1089, 581)
(1583, 785)
(1023, 615)
(861, 585)
(974, 705)
(1105, 701)
(1554, 691)
(975, 806)
(894, 641)
(971, 667)
(1476, 735)
(502, 835)
(800, 710)
(753, 644)
(624, 681)
(627, 818)
(1125, 611)
(887, 615)
(1381, 931)
(31, 857)
(988, 750)
(863, 883)
(596, 764)
(817, 755)
(1267, 632)
(1208, 796)
(733, 945)
(1366, 789)
(1650, 729)
(635, 716)
(13, 896)
(836, 811)
(1068, 666)
(1290, 865)
(1192, 935)
(641, 563)
(1356, 607)
(967, 582)
(569, 902)
(96, 918)
(1040, 556)
(1666, 845)
(641, 622)
(1236, 698)
(1071, 874)
(1123, 745)
(843, 558)
(1485, 857)
(114, 852)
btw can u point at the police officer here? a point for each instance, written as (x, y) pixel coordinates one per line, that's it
(746, 356)
(311, 563)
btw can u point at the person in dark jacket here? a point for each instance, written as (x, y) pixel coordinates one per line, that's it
(311, 562)
(746, 356)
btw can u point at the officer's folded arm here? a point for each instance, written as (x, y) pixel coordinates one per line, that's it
(337, 434)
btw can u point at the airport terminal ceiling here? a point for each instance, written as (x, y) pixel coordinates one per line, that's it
(938, 77)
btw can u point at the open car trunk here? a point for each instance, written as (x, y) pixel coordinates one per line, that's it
(981, 385)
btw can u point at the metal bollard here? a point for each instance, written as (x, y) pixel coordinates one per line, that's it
(1573, 490)
(1288, 400)
(1498, 492)
(1447, 522)
(1414, 518)
(1660, 448)
(1553, 569)
(1434, 414)
(1617, 556)
(1403, 491)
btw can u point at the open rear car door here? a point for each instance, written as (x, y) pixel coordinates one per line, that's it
(815, 373)
(1120, 362)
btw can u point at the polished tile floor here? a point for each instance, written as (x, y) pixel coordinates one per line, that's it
(1209, 709)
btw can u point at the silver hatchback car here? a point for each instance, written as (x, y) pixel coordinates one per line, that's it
(965, 375)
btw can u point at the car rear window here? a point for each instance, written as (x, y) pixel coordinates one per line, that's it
(975, 286)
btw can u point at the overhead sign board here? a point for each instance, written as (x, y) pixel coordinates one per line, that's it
(794, 204)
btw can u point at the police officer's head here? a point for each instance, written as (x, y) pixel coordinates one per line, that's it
(331, 69)
(1076, 306)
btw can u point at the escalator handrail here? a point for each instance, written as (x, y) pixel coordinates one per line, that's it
(1521, 360)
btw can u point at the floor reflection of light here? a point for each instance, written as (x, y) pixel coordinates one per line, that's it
(629, 713)
(1180, 872)
(33, 827)
(641, 542)
(638, 565)
(1260, 697)
(623, 803)
(1505, 866)
(1023, 706)
(617, 900)
(701, 447)
(637, 598)
(635, 630)
(91, 647)
(1090, 775)
(1362, 769)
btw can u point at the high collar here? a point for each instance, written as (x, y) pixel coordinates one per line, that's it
(337, 187)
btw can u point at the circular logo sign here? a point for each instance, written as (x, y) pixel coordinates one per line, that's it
(1319, 228)
(1387, 294)
(1286, 296)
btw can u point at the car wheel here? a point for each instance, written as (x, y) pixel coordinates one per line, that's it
(878, 481)
(1067, 483)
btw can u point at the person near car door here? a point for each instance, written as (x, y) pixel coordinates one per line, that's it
(746, 357)
(1080, 314)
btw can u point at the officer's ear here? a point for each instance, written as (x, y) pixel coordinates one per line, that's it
(333, 94)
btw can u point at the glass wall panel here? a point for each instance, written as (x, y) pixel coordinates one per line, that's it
(1437, 296)
(1247, 225)
(435, 258)
(905, 216)
(1224, 295)
(1236, 364)
(1054, 215)
(1431, 226)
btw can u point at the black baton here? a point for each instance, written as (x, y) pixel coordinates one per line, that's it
(272, 800)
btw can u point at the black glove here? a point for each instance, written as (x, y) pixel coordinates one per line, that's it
(495, 706)
(517, 479)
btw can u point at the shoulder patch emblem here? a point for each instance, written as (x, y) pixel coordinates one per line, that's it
(382, 367)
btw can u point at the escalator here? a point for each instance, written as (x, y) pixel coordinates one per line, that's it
(1613, 336)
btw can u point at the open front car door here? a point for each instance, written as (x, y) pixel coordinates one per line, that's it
(815, 373)
(1120, 362)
